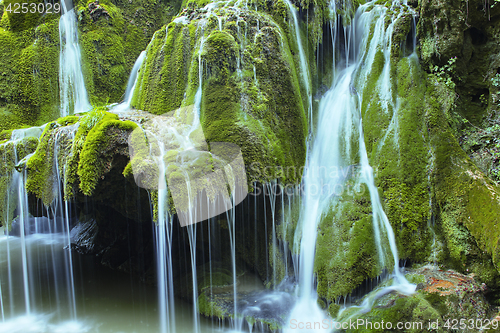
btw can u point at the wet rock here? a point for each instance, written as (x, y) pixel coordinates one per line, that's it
(442, 297)
(83, 236)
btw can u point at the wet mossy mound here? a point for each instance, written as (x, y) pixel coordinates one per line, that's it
(29, 60)
(76, 153)
(251, 94)
(112, 35)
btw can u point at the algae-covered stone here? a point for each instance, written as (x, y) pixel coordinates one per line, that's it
(250, 95)
(346, 253)
(10, 153)
(111, 42)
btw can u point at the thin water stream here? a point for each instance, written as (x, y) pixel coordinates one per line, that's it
(73, 94)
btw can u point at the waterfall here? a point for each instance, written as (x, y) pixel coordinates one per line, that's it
(334, 146)
(163, 243)
(304, 69)
(23, 214)
(72, 91)
(132, 82)
(17, 185)
(47, 282)
(199, 91)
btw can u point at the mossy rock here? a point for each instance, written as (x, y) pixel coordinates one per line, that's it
(264, 117)
(10, 152)
(346, 253)
(29, 90)
(84, 153)
(393, 310)
(112, 41)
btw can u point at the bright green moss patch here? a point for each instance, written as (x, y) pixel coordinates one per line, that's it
(29, 59)
(27, 14)
(83, 149)
(93, 163)
(5, 134)
(10, 153)
(164, 78)
(394, 309)
(398, 149)
(68, 120)
(112, 42)
(346, 253)
(209, 308)
(40, 167)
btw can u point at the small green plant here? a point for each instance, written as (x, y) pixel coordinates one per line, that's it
(444, 73)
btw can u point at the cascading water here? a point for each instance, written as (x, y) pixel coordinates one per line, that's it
(304, 69)
(338, 142)
(131, 84)
(73, 93)
(339, 128)
(39, 248)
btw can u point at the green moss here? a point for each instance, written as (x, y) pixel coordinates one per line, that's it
(93, 163)
(19, 21)
(415, 310)
(271, 110)
(346, 253)
(397, 144)
(29, 70)
(68, 120)
(164, 79)
(464, 197)
(209, 308)
(112, 42)
(40, 167)
(85, 153)
(10, 153)
(5, 134)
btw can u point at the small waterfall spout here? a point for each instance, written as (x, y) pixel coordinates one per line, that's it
(131, 84)
(72, 92)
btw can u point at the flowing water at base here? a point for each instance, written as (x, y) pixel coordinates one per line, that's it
(106, 300)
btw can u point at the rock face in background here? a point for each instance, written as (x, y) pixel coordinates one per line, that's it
(437, 169)
(459, 49)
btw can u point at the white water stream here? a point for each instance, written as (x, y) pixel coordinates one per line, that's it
(131, 84)
(334, 146)
(73, 93)
(304, 68)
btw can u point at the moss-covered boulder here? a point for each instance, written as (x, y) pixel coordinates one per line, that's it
(29, 60)
(12, 152)
(75, 155)
(251, 94)
(346, 252)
